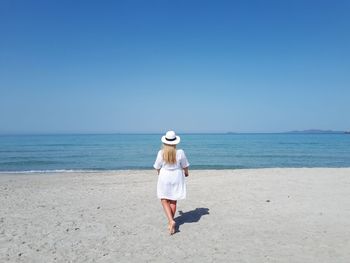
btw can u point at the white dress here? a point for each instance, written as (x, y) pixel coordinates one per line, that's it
(171, 180)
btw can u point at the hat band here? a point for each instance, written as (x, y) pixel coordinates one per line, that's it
(170, 140)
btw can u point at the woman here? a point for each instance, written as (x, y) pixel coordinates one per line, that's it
(172, 167)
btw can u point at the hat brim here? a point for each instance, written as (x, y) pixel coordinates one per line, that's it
(174, 142)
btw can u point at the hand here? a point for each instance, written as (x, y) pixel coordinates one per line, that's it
(186, 172)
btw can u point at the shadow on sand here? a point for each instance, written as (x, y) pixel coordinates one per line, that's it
(192, 216)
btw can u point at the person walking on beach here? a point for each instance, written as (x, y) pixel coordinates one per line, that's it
(172, 167)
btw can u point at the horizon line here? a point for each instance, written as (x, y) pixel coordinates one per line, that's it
(310, 131)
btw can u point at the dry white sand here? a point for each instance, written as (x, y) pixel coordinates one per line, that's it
(263, 215)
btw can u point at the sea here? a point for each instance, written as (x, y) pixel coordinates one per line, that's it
(109, 152)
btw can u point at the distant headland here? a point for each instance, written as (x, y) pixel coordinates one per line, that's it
(310, 131)
(318, 131)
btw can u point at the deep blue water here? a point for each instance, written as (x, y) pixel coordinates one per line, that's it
(204, 151)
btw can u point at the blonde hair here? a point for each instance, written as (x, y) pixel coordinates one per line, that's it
(169, 153)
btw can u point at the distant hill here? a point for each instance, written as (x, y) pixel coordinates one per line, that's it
(310, 131)
(316, 131)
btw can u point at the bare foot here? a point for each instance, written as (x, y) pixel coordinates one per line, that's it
(171, 227)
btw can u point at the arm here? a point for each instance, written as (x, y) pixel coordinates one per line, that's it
(158, 163)
(186, 171)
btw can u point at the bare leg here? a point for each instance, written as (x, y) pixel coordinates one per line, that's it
(173, 207)
(169, 215)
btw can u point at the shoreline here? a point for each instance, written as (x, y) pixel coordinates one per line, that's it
(80, 171)
(250, 215)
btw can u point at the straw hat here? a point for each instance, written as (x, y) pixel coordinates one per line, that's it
(170, 138)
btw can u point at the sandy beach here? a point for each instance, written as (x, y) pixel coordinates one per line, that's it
(255, 215)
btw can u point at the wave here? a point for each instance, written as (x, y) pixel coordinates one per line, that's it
(81, 170)
(199, 167)
(48, 171)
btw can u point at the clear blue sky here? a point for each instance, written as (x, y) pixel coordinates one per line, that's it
(191, 66)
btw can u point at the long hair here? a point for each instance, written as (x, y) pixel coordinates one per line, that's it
(169, 153)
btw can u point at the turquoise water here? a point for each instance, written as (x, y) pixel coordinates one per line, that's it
(204, 151)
